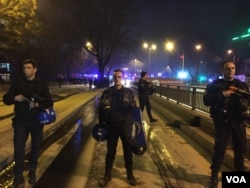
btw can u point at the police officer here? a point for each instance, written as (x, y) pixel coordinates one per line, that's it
(28, 94)
(115, 107)
(143, 92)
(228, 100)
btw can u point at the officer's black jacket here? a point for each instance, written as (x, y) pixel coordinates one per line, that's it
(115, 105)
(35, 90)
(234, 106)
(142, 87)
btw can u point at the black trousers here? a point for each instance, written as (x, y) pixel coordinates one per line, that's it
(144, 101)
(22, 129)
(223, 133)
(116, 131)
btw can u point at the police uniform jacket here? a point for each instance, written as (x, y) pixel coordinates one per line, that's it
(143, 89)
(233, 108)
(116, 105)
(35, 90)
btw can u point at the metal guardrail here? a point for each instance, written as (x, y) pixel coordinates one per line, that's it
(182, 94)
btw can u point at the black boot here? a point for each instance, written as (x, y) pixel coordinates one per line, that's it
(131, 178)
(105, 180)
(213, 182)
(32, 177)
(152, 120)
(107, 176)
(214, 179)
(18, 182)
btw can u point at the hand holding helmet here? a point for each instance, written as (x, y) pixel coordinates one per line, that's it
(99, 132)
(47, 116)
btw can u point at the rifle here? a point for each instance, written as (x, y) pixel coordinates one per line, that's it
(151, 88)
(33, 96)
(237, 90)
(232, 88)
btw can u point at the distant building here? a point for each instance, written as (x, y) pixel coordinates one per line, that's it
(4, 72)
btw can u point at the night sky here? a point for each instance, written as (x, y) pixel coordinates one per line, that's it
(216, 20)
(188, 22)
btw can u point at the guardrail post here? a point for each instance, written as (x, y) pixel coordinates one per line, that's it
(193, 102)
(178, 100)
(167, 90)
(159, 89)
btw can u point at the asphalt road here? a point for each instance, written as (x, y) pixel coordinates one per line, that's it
(177, 156)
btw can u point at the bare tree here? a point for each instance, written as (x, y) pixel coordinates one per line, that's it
(54, 31)
(109, 28)
(19, 26)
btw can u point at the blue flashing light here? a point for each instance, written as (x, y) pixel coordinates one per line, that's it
(182, 75)
(210, 80)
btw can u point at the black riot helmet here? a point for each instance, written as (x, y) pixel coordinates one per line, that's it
(139, 150)
(99, 132)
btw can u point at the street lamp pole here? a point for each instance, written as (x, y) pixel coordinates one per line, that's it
(149, 61)
(203, 71)
(182, 65)
(149, 48)
(232, 52)
(168, 69)
(198, 48)
(169, 46)
(135, 66)
(82, 59)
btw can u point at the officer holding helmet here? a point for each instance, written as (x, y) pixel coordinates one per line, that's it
(116, 105)
(29, 94)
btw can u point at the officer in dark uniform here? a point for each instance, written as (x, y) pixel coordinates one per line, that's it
(143, 92)
(228, 99)
(115, 107)
(29, 94)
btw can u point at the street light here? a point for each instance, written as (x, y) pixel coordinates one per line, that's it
(198, 47)
(169, 46)
(231, 52)
(168, 69)
(149, 48)
(135, 65)
(82, 59)
(204, 69)
(88, 45)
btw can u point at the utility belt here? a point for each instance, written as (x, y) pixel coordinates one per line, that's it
(221, 121)
(223, 117)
